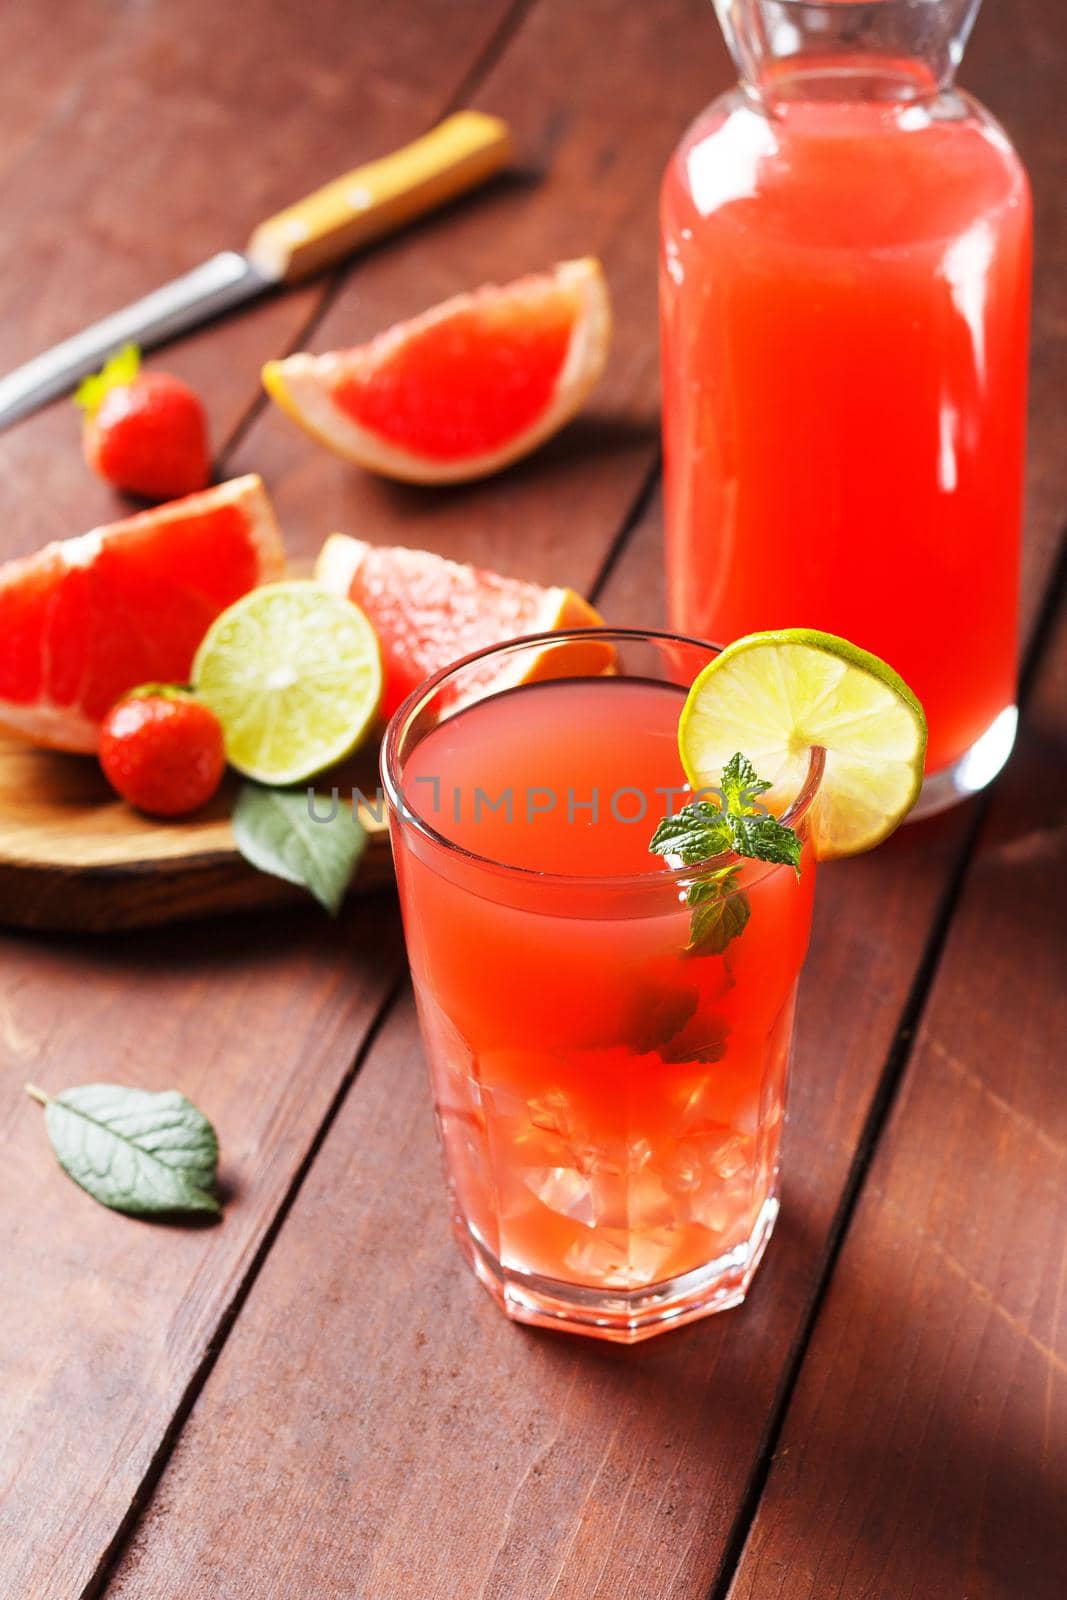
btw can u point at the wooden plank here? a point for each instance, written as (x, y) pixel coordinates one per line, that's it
(73, 857)
(187, 127)
(282, 1479)
(461, 1455)
(925, 1450)
(590, 168)
(201, 121)
(54, 64)
(108, 1319)
(425, 1446)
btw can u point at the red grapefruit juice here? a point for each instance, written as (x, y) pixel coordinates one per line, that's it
(844, 295)
(610, 1105)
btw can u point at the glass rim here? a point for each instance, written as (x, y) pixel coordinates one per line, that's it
(405, 713)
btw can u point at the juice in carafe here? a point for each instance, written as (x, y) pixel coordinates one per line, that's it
(844, 293)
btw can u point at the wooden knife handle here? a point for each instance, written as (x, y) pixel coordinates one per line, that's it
(457, 155)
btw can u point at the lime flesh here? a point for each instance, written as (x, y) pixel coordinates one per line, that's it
(294, 675)
(775, 696)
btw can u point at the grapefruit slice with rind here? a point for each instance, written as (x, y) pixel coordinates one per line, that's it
(776, 695)
(464, 389)
(429, 612)
(86, 619)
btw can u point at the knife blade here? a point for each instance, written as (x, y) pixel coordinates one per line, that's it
(213, 287)
(316, 232)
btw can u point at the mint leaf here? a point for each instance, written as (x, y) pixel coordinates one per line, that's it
(701, 831)
(658, 1016)
(275, 832)
(721, 914)
(705, 1043)
(740, 785)
(764, 838)
(141, 1153)
(696, 833)
(670, 1023)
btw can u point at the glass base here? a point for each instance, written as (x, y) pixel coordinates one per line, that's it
(977, 767)
(625, 1316)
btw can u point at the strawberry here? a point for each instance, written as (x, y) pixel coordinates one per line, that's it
(145, 432)
(162, 750)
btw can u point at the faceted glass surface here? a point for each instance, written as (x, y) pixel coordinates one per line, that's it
(610, 1102)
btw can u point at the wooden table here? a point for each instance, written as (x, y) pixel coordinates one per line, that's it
(314, 1399)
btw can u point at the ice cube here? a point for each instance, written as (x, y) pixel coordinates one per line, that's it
(563, 1190)
(616, 1258)
(552, 1111)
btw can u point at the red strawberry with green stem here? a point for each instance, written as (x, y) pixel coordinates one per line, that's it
(145, 432)
(162, 750)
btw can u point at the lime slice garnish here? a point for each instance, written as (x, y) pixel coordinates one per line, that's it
(775, 695)
(294, 675)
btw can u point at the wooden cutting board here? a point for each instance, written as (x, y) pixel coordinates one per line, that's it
(74, 857)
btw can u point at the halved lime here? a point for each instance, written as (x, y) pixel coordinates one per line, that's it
(775, 695)
(294, 674)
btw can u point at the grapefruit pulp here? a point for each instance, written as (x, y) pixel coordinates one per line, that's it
(86, 619)
(429, 612)
(464, 389)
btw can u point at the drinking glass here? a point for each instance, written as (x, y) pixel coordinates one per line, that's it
(609, 1099)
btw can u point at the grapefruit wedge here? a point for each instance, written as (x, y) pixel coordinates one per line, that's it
(466, 388)
(86, 619)
(429, 612)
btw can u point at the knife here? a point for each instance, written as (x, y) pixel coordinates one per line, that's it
(316, 232)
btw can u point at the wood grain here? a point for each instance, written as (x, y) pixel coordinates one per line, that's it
(183, 129)
(588, 173)
(424, 1445)
(373, 1426)
(108, 1319)
(464, 1456)
(179, 132)
(73, 857)
(49, 80)
(925, 1451)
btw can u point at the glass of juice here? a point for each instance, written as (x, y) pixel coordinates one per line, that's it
(844, 291)
(609, 1100)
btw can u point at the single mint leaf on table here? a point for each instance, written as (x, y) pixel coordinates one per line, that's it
(135, 1151)
(275, 832)
(701, 831)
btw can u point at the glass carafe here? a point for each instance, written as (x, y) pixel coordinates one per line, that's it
(845, 276)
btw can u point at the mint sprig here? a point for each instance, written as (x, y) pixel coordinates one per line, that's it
(739, 824)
